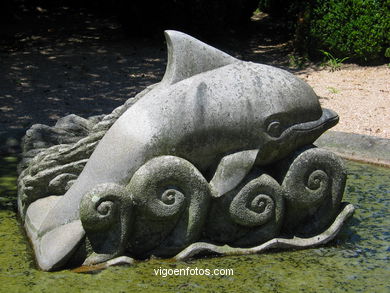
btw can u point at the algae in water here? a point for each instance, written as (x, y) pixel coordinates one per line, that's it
(356, 261)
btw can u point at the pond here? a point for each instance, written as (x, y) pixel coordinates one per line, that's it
(356, 261)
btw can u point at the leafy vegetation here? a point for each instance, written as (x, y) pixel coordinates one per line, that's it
(355, 28)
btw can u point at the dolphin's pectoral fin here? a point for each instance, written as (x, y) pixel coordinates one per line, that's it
(231, 171)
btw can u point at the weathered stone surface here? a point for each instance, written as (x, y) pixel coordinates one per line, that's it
(172, 199)
(105, 213)
(61, 152)
(314, 185)
(276, 243)
(61, 183)
(250, 214)
(69, 129)
(213, 153)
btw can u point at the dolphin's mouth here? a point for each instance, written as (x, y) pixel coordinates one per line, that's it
(295, 137)
(327, 120)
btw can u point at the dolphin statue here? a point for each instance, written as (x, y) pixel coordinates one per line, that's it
(210, 109)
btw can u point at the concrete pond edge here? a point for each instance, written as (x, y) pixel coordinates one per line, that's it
(357, 147)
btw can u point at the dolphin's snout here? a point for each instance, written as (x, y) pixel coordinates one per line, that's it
(330, 116)
(328, 119)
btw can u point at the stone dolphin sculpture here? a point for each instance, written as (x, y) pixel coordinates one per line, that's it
(210, 108)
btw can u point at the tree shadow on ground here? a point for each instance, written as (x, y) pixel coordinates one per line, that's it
(86, 68)
(73, 61)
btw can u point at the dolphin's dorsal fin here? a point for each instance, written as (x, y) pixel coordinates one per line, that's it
(188, 56)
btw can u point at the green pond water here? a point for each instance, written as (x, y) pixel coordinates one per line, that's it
(356, 261)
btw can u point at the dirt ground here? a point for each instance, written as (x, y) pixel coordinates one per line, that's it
(87, 65)
(360, 95)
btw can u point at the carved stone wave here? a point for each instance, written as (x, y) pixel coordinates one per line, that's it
(175, 208)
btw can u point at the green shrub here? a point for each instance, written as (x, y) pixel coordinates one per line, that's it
(359, 29)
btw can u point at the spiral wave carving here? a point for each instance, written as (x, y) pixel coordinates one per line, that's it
(106, 214)
(172, 197)
(317, 180)
(258, 202)
(313, 184)
(104, 206)
(249, 215)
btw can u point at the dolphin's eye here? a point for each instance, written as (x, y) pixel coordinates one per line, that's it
(274, 129)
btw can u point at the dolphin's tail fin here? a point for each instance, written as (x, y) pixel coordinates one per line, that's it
(55, 247)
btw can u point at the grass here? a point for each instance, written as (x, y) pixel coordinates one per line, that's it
(297, 62)
(333, 90)
(332, 62)
(387, 55)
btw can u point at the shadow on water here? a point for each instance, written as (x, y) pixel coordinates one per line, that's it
(356, 261)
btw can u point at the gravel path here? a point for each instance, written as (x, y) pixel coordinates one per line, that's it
(360, 95)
